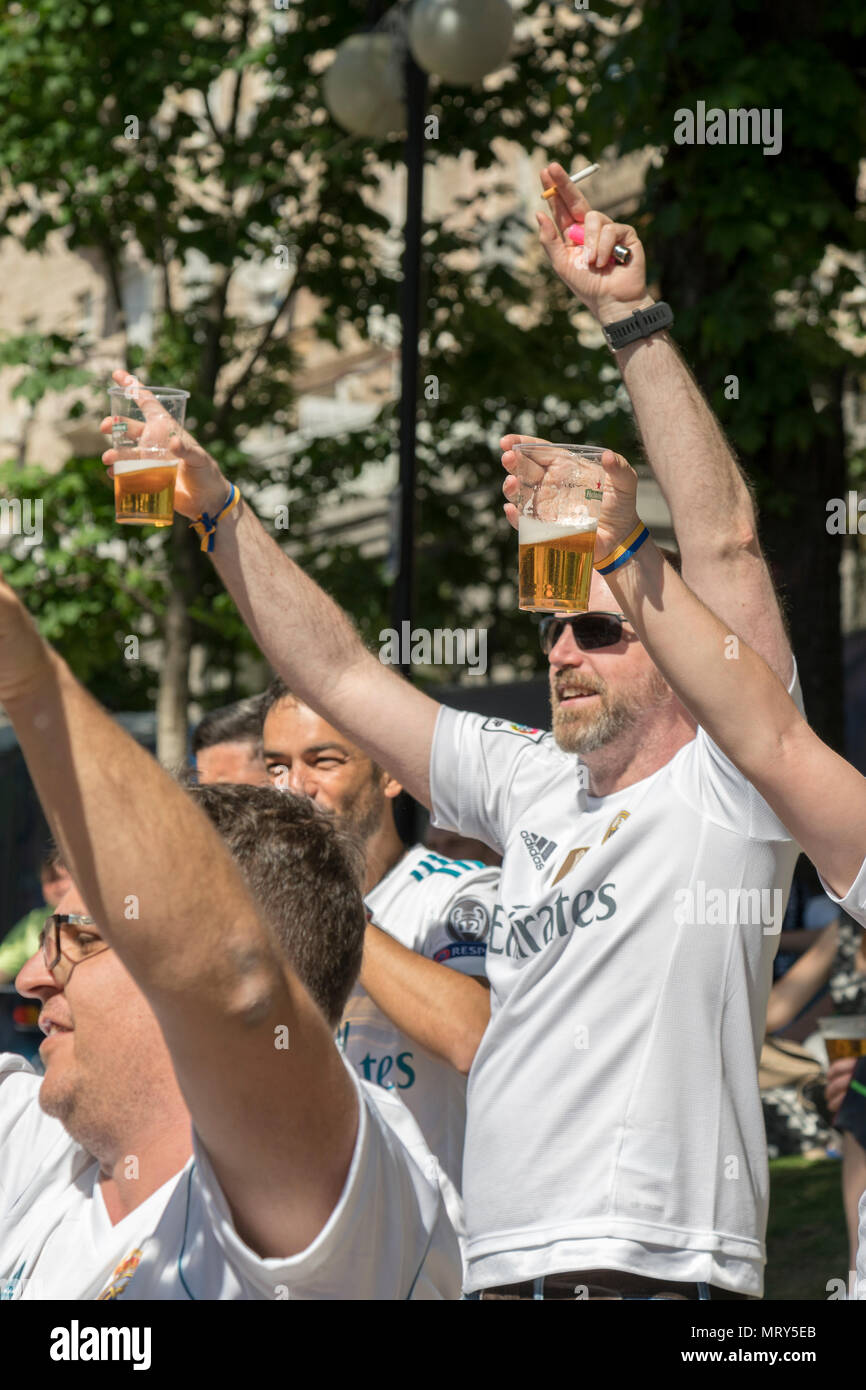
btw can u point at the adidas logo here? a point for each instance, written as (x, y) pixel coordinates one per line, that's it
(539, 848)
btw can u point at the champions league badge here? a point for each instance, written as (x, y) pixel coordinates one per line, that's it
(468, 920)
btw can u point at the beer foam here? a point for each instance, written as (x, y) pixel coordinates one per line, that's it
(533, 532)
(140, 465)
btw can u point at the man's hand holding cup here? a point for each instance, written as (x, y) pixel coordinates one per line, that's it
(200, 486)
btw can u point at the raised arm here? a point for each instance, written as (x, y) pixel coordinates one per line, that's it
(305, 636)
(709, 500)
(733, 694)
(279, 1125)
(745, 709)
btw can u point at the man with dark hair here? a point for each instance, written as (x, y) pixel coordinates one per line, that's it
(171, 997)
(227, 744)
(418, 1012)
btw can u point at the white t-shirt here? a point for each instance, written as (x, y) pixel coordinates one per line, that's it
(614, 1118)
(442, 909)
(389, 1236)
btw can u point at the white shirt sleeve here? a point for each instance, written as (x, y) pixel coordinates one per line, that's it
(483, 772)
(389, 1236)
(457, 930)
(854, 901)
(707, 779)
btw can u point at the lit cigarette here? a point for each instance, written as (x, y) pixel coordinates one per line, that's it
(575, 178)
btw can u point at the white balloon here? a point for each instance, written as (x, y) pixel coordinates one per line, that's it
(460, 40)
(363, 87)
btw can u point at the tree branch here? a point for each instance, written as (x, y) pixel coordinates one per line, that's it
(217, 133)
(233, 123)
(210, 363)
(143, 603)
(245, 375)
(108, 252)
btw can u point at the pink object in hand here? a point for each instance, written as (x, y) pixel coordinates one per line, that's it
(575, 233)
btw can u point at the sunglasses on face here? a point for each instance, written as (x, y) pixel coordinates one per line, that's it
(65, 942)
(589, 630)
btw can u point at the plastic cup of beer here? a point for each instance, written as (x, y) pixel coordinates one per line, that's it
(844, 1036)
(144, 423)
(561, 490)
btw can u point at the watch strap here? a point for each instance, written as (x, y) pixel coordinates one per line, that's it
(640, 324)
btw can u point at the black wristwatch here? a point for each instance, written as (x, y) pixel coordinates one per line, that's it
(640, 324)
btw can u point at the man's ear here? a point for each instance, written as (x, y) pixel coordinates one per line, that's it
(390, 786)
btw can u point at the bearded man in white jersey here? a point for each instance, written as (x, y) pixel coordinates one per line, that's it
(196, 1134)
(415, 1018)
(615, 1142)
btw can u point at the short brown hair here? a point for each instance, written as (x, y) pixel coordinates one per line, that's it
(305, 872)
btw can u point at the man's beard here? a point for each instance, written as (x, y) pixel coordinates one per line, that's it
(583, 730)
(363, 812)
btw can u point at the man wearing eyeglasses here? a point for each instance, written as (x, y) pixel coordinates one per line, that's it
(615, 1143)
(196, 1134)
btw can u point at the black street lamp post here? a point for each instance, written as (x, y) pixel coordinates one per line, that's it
(410, 314)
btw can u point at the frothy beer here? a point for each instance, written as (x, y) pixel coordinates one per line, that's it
(555, 565)
(144, 490)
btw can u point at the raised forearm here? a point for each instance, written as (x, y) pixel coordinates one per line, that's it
(138, 849)
(709, 500)
(715, 675)
(312, 644)
(745, 709)
(441, 1009)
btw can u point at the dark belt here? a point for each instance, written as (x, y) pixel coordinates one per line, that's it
(595, 1285)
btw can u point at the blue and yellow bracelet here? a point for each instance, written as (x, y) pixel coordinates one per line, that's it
(206, 525)
(622, 553)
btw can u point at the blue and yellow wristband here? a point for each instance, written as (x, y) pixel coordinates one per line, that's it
(622, 553)
(206, 525)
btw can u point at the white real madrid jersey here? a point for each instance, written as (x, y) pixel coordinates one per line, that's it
(389, 1236)
(614, 1117)
(442, 909)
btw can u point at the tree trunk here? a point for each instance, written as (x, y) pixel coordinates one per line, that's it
(805, 561)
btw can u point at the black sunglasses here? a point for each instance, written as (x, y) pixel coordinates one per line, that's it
(589, 630)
